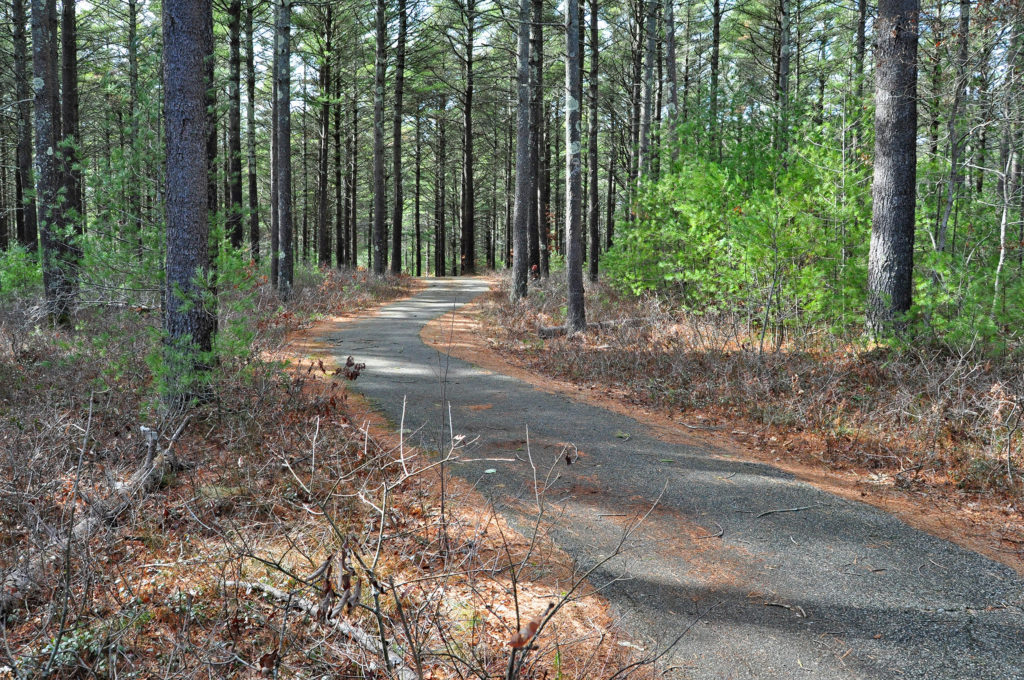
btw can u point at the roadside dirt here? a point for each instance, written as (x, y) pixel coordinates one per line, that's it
(978, 523)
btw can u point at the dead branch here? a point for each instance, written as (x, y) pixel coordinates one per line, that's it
(24, 581)
(356, 634)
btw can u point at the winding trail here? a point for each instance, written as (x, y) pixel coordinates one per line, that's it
(799, 583)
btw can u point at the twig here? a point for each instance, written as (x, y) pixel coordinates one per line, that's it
(772, 512)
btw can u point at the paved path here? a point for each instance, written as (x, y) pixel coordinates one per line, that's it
(836, 590)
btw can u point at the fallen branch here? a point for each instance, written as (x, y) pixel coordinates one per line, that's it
(25, 580)
(558, 331)
(359, 636)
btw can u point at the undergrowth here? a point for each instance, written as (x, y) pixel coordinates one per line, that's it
(923, 413)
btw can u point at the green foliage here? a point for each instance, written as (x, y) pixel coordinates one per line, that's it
(780, 243)
(20, 274)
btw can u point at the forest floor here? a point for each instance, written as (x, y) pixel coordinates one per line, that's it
(288, 499)
(609, 368)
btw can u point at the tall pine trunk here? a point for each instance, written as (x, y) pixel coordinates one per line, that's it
(419, 165)
(575, 320)
(891, 257)
(468, 231)
(24, 181)
(396, 148)
(188, 322)
(595, 234)
(59, 282)
(537, 179)
(323, 241)
(379, 252)
(250, 131)
(340, 192)
(283, 145)
(233, 209)
(71, 172)
(524, 188)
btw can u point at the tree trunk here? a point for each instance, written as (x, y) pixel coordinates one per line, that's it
(303, 132)
(24, 181)
(575, 321)
(188, 322)
(71, 172)
(233, 209)
(419, 164)
(250, 130)
(396, 149)
(323, 249)
(858, 75)
(956, 136)
(283, 145)
(524, 188)
(686, 65)
(673, 83)
(609, 222)
(353, 153)
(59, 280)
(891, 257)
(595, 234)
(275, 231)
(468, 231)
(647, 90)
(536, 133)
(716, 42)
(379, 233)
(440, 228)
(782, 85)
(340, 192)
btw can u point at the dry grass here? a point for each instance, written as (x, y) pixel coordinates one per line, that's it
(281, 470)
(930, 416)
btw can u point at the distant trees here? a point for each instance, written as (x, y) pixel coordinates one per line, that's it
(747, 133)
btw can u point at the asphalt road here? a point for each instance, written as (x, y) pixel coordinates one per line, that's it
(800, 583)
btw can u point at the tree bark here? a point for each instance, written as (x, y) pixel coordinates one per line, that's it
(673, 83)
(188, 322)
(537, 180)
(575, 321)
(399, 82)
(956, 136)
(59, 281)
(858, 75)
(379, 232)
(716, 42)
(233, 209)
(419, 165)
(782, 85)
(283, 145)
(71, 172)
(440, 228)
(323, 250)
(396, 149)
(24, 181)
(467, 259)
(353, 153)
(595, 234)
(891, 257)
(250, 130)
(524, 193)
(340, 192)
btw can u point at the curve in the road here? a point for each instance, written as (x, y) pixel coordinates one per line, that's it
(834, 590)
